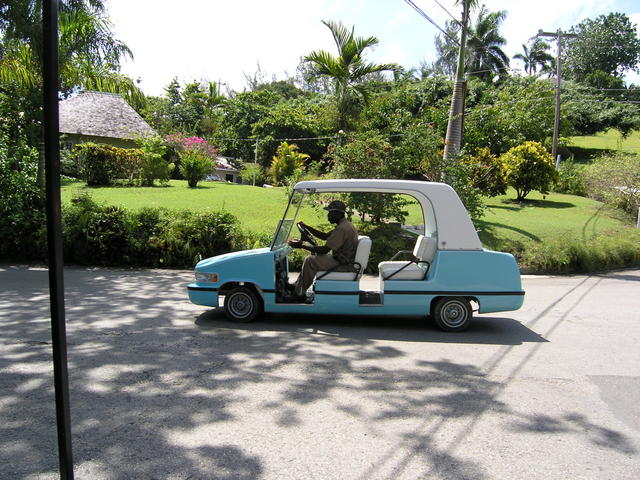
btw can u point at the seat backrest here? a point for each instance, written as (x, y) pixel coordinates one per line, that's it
(425, 248)
(362, 253)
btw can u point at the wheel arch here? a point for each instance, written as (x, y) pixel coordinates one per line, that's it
(436, 299)
(228, 286)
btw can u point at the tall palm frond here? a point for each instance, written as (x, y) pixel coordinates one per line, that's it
(347, 70)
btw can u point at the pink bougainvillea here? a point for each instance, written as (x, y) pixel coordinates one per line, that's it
(198, 144)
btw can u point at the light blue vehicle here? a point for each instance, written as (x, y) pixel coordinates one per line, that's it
(447, 272)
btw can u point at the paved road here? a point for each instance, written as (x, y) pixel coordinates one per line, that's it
(162, 389)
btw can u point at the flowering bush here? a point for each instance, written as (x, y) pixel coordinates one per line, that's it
(193, 144)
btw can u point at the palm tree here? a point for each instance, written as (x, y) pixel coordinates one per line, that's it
(536, 55)
(485, 55)
(88, 54)
(348, 70)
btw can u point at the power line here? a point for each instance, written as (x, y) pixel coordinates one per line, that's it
(442, 7)
(424, 15)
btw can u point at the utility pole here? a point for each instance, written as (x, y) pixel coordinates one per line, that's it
(559, 35)
(51, 79)
(255, 160)
(453, 139)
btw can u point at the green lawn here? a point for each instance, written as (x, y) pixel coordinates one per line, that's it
(259, 209)
(588, 146)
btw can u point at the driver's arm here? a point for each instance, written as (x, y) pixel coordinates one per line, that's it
(321, 249)
(316, 233)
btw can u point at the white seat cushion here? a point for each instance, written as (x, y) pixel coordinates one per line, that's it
(362, 257)
(424, 250)
(409, 272)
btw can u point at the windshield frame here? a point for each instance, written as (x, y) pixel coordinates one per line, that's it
(285, 224)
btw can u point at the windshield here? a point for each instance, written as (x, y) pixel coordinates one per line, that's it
(285, 225)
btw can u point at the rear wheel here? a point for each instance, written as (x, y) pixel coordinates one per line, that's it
(452, 314)
(242, 304)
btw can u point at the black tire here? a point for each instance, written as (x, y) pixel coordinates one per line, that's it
(242, 304)
(452, 314)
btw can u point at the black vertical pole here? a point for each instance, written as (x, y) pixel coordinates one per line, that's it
(54, 233)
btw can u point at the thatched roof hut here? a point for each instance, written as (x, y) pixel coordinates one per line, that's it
(101, 118)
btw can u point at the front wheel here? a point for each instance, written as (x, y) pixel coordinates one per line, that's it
(452, 314)
(242, 304)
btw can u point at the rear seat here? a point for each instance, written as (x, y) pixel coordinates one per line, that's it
(415, 269)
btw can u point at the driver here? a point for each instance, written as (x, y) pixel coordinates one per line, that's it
(342, 241)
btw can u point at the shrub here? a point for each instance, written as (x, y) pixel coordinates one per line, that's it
(615, 179)
(105, 235)
(98, 164)
(154, 166)
(22, 220)
(529, 167)
(254, 174)
(194, 166)
(189, 236)
(569, 254)
(101, 164)
(95, 234)
(488, 172)
(129, 162)
(286, 163)
(571, 179)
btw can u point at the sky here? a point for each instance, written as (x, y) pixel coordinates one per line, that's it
(225, 41)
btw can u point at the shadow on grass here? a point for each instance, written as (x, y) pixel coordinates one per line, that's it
(586, 155)
(489, 237)
(514, 205)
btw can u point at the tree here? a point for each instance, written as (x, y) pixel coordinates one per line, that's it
(485, 43)
(608, 43)
(517, 111)
(370, 156)
(348, 70)
(536, 55)
(483, 56)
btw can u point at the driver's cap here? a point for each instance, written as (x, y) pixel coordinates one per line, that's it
(336, 205)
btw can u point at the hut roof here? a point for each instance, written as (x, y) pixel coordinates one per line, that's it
(102, 115)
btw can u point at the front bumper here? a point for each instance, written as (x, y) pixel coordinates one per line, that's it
(203, 294)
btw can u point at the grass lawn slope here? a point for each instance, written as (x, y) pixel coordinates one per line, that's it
(586, 147)
(554, 233)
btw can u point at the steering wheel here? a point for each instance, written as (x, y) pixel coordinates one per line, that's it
(305, 235)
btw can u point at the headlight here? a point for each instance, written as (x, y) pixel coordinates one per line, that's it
(206, 277)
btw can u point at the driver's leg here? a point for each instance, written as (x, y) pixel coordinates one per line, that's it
(312, 265)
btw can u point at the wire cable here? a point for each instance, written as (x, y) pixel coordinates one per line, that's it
(424, 15)
(442, 7)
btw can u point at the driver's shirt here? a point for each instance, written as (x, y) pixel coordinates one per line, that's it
(343, 241)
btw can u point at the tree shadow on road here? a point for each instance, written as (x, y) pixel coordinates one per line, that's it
(159, 389)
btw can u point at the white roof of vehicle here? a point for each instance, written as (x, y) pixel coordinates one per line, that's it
(444, 214)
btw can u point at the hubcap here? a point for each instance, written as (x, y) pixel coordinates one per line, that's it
(240, 305)
(454, 314)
